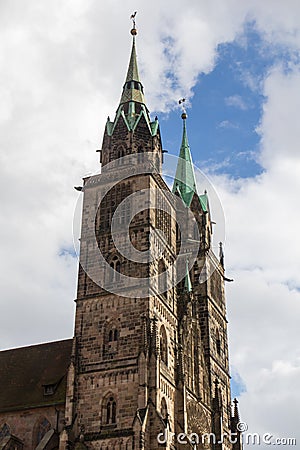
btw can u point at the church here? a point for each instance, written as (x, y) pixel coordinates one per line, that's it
(148, 366)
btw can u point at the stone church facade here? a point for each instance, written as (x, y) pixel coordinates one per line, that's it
(148, 366)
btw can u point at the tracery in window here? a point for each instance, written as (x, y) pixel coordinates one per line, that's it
(109, 410)
(42, 428)
(111, 340)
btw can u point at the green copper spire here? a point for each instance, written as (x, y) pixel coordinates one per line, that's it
(184, 183)
(132, 89)
(133, 72)
(132, 108)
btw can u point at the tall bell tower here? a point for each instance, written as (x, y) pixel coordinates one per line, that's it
(150, 355)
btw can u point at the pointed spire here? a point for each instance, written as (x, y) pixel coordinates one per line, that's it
(132, 107)
(184, 183)
(133, 88)
(133, 72)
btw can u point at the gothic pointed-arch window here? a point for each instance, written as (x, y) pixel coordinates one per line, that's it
(120, 153)
(111, 340)
(41, 428)
(116, 335)
(162, 278)
(163, 345)
(109, 410)
(113, 334)
(218, 342)
(4, 431)
(140, 154)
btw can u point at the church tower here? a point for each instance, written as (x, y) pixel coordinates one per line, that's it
(150, 353)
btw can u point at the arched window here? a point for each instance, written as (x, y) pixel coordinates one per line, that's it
(109, 410)
(4, 431)
(163, 345)
(116, 335)
(111, 340)
(162, 278)
(114, 274)
(140, 154)
(218, 342)
(120, 153)
(164, 408)
(113, 335)
(42, 427)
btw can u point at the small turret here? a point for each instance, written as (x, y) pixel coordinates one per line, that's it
(184, 183)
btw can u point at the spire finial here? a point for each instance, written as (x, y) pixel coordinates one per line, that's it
(184, 114)
(133, 30)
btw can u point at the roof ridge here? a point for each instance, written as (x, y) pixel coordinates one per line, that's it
(35, 345)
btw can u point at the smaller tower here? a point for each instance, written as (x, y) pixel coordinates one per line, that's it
(236, 432)
(185, 183)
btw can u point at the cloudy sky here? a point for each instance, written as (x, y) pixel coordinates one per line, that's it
(62, 66)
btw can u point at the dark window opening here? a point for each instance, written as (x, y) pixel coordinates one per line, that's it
(163, 345)
(218, 342)
(140, 154)
(162, 279)
(111, 411)
(113, 335)
(49, 389)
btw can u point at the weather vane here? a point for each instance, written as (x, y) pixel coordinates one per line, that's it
(182, 103)
(132, 17)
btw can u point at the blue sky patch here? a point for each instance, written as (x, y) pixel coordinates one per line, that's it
(66, 252)
(237, 385)
(226, 109)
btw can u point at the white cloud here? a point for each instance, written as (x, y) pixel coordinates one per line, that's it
(237, 102)
(262, 255)
(228, 124)
(62, 65)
